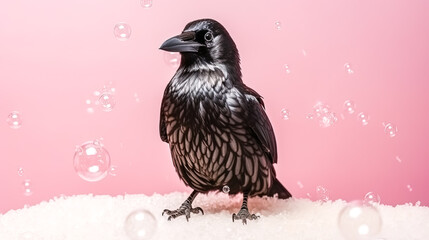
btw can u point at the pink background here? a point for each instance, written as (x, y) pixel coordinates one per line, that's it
(55, 54)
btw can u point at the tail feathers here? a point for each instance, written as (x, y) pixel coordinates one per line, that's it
(279, 190)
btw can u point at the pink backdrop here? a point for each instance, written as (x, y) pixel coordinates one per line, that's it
(55, 54)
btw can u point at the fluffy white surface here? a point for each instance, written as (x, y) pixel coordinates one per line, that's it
(102, 217)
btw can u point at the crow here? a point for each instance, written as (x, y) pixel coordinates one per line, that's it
(216, 127)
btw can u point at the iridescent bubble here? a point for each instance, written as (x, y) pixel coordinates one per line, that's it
(226, 189)
(359, 221)
(349, 106)
(285, 114)
(140, 225)
(390, 129)
(107, 101)
(20, 172)
(122, 31)
(27, 186)
(363, 118)
(91, 161)
(113, 170)
(278, 25)
(286, 66)
(146, 3)
(172, 59)
(372, 198)
(14, 120)
(322, 193)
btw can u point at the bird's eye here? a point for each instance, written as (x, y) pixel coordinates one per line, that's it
(208, 36)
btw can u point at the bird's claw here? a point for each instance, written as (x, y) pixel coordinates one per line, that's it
(243, 215)
(185, 209)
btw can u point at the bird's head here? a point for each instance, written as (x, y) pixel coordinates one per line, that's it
(205, 41)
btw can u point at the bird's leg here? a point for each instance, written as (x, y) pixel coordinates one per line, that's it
(184, 209)
(244, 214)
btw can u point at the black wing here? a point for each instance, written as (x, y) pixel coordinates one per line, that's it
(162, 128)
(260, 124)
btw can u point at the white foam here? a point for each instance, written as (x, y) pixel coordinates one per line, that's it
(102, 217)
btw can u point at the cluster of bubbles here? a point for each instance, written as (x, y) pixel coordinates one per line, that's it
(103, 99)
(322, 193)
(323, 114)
(91, 161)
(27, 187)
(390, 129)
(358, 220)
(14, 120)
(140, 225)
(122, 31)
(348, 68)
(172, 59)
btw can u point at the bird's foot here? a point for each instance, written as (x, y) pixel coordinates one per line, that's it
(185, 209)
(243, 215)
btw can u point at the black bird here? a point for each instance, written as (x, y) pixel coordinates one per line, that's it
(216, 126)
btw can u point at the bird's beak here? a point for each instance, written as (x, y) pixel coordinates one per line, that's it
(182, 43)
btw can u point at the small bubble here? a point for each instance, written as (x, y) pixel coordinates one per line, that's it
(107, 101)
(113, 170)
(304, 52)
(349, 106)
(20, 172)
(137, 98)
(286, 66)
(226, 189)
(398, 159)
(122, 31)
(390, 129)
(146, 3)
(27, 186)
(372, 198)
(14, 120)
(140, 225)
(278, 25)
(300, 185)
(91, 161)
(363, 118)
(285, 114)
(409, 188)
(348, 68)
(172, 59)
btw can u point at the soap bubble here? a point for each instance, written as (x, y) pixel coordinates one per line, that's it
(146, 3)
(122, 31)
(278, 25)
(322, 193)
(390, 129)
(226, 189)
(300, 185)
(363, 118)
(349, 106)
(91, 161)
(113, 170)
(137, 98)
(27, 186)
(172, 59)
(20, 172)
(285, 114)
(398, 159)
(286, 66)
(409, 188)
(348, 68)
(107, 101)
(14, 120)
(140, 225)
(359, 221)
(372, 198)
